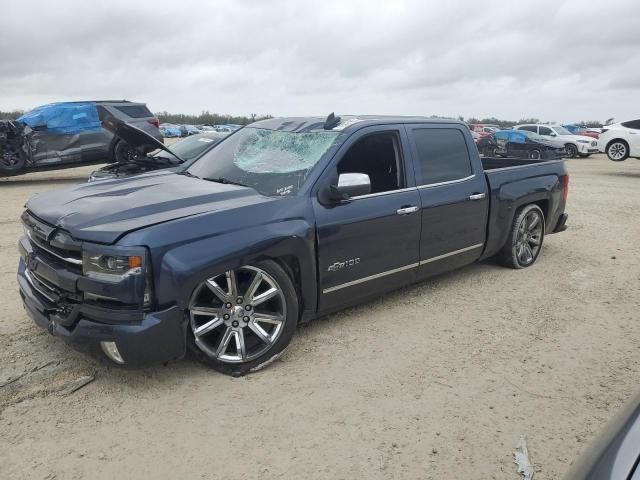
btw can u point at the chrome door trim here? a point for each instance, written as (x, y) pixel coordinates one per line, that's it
(459, 180)
(370, 277)
(450, 254)
(379, 194)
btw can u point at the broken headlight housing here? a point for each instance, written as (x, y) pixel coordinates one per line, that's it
(125, 269)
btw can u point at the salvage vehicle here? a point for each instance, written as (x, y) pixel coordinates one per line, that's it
(526, 144)
(70, 134)
(574, 144)
(177, 157)
(615, 454)
(285, 220)
(620, 140)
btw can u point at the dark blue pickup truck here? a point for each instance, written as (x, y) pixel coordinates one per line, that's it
(283, 221)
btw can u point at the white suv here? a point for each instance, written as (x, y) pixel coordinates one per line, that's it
(620, 140)
(574, 144)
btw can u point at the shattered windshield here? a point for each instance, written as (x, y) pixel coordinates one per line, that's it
(271, 161)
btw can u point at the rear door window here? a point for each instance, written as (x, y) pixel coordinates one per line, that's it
(135, 111)
(635, 124)
(529, 128)
(442, 155)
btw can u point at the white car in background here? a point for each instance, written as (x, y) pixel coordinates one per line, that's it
(574, 144)
(620, 140)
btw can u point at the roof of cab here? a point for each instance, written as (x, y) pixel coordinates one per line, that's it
(346, 123)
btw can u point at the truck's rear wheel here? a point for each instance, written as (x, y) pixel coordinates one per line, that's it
(524, 243)
(241, 320)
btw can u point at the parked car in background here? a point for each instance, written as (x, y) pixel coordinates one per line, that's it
(574, 144)
(189, 130)
(70, 134)
(526, 144)
(178, 156)
(484, 130)
(284, 221)
(615, 453)
(621, 140)
(579, 130)
(169, 130)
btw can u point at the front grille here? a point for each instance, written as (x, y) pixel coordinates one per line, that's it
(594, 144)
(56, 246)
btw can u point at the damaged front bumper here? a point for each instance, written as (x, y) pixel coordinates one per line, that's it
(141, 337)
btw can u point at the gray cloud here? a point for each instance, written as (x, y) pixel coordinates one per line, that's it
(551, 59)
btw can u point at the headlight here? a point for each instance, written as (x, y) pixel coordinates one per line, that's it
(122, 273)
(583, 141)
(106, 267)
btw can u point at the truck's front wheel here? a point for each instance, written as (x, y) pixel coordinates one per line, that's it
(524, 243)
(241, 320)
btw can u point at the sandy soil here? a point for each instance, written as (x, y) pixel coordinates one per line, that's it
(435, 381)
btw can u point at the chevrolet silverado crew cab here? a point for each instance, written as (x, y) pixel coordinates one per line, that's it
(281, 222)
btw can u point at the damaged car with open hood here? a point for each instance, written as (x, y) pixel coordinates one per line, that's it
(151, 154)
(69, 134)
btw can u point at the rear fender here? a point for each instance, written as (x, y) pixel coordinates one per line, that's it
(510, 197)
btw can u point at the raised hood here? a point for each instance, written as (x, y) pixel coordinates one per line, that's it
(104, 211)
(134, 136)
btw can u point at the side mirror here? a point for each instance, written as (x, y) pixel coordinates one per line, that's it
(351, 185)
(552, 134)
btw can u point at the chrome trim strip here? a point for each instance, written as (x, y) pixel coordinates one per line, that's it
(460, 180)
(75, 261)
(37, 288)
(455, 252)
(370, 277)
(379, 194)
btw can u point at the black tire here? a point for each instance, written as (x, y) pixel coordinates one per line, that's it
(123, 152)
(617, 150)
(572, 150)
(12, 161)
(535, 154)
(284, 282)
(510, 253)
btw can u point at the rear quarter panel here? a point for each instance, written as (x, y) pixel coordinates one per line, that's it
(513, 187)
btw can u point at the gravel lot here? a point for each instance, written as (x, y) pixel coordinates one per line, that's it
(435, 381)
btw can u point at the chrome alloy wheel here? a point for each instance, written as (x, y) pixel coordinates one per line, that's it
(529, 238)
(238, 315)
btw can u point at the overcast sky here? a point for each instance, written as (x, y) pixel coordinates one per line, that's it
(555, 60)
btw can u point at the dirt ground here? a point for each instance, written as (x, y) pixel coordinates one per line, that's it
(436, 381)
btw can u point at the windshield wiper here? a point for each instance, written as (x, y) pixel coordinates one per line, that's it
(225, 181)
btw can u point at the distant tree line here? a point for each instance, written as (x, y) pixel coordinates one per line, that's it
(207, 118)
(510, 123)
(10, 115)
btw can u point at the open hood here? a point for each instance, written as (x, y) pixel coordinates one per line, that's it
(134, 136)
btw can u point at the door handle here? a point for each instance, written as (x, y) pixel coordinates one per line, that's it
(407, 210)
(477, 196)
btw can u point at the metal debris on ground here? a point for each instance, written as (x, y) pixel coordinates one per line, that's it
(521, 458)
